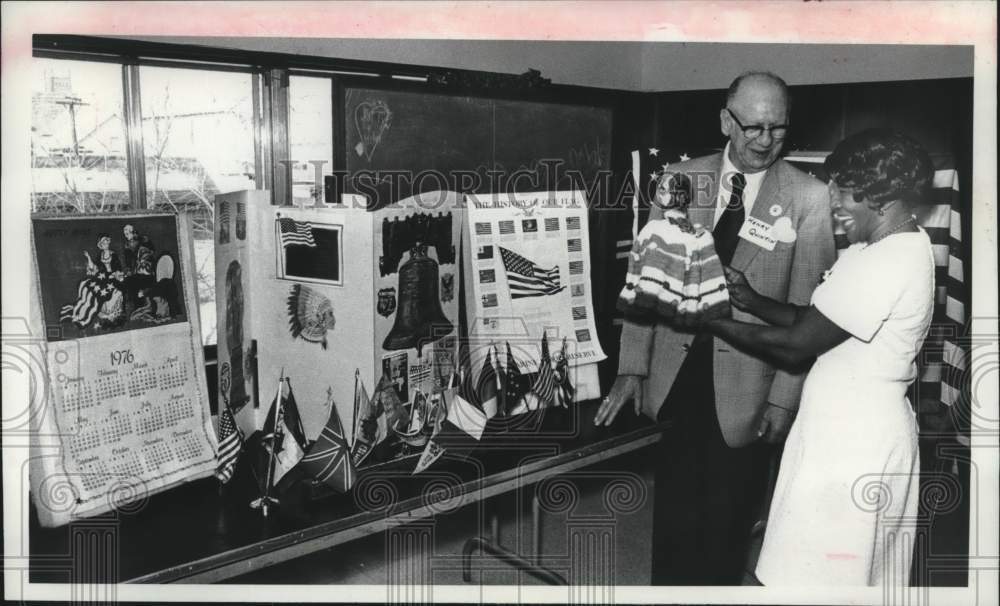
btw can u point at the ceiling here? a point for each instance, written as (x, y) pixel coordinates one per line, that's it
(635, 66)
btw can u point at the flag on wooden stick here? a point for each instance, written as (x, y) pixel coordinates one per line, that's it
(283, 432)
(564, 386)
(368, 431)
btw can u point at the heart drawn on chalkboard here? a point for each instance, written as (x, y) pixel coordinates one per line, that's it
(372, 118)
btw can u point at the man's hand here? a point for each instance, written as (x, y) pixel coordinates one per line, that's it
(626, 387)
(775, 423)
(741, 294)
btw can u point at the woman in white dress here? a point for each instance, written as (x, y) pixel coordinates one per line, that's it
(846, 493)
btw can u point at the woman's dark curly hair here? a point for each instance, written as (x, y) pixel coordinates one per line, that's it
(881, 165)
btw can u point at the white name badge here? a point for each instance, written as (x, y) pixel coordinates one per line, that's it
(757, 232)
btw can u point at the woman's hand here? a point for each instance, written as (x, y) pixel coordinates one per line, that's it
(91, 266)
(741, 294)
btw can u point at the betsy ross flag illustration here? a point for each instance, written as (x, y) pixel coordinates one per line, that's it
(296, 233)
(526, 279)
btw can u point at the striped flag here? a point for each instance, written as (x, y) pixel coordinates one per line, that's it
(552, 224)
(223, 221)
(295, 233)
(545, 382)
(526, 279)
(329, 459)
(230, 445)
(506, 228)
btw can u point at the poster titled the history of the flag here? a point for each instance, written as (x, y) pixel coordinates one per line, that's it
(125, 413)
(530, 272)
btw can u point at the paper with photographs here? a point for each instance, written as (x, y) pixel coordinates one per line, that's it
(126, 412)
(530, 262)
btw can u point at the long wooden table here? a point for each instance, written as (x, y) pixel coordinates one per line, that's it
(199, 533)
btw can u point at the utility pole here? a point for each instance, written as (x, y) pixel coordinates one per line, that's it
(71, 102)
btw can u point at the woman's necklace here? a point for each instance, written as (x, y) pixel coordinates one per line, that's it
(893, 230)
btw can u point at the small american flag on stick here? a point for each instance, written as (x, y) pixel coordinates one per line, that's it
(230, 444)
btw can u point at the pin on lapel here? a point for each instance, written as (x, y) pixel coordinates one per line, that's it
(775, 210)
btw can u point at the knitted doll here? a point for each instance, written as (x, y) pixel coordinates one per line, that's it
(673, 268)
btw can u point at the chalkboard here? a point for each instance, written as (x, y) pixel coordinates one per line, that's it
(399, 143)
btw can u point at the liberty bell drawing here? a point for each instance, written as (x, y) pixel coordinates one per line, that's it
(419, 317)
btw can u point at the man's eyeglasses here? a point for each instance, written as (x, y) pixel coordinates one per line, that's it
(752, 131)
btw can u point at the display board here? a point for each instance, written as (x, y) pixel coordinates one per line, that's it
(528, 273)
(337, 297)
(125, 412)
(398, 143)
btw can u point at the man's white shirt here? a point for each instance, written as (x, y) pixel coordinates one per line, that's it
(754, 181)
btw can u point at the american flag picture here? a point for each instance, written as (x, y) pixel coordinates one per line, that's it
(230, 443)
(295, 233)
(526, 279)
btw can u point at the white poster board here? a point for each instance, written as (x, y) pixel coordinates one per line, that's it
(529, 273)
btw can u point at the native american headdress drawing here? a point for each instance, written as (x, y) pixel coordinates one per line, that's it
(310, 314)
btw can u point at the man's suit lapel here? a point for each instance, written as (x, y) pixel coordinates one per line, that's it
(769, 195)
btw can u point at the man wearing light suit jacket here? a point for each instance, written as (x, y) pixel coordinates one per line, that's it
(727, 408)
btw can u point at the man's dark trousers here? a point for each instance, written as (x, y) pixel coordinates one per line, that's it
(707, 495)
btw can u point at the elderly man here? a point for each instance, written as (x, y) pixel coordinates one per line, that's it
(772, 222)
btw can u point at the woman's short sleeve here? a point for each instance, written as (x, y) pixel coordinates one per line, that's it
(860, 292)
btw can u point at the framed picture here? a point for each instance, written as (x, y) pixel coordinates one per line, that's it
(309, 251)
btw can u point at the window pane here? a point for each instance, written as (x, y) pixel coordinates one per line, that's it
(310, 134)
(197, 129)
(78, 161)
